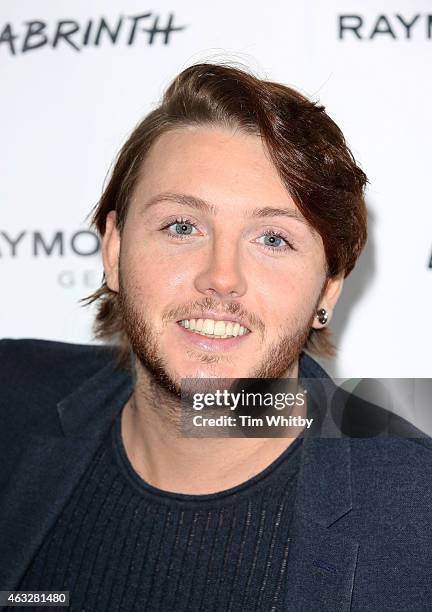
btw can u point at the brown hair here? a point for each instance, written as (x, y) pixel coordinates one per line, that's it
(306, 146)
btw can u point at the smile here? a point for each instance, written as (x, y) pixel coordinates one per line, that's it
(214, 329)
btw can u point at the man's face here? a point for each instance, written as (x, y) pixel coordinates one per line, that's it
(178, 260)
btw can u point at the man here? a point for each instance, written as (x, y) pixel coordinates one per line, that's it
(232, 216)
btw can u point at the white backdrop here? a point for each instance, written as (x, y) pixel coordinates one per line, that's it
(67, 104)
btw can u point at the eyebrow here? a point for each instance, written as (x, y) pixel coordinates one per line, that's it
(204, 206)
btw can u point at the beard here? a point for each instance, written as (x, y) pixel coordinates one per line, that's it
(279, 358)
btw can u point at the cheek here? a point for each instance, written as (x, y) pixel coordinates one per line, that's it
(151, 278)
(290, 293)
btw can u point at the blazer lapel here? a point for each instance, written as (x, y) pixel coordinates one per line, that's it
(321, 564)
(48, 468)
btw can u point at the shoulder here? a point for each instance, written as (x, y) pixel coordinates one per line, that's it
(56, 364)
(385, 447)
(35, 374)
(391, 480)
(391, 458)
(357, 417)
(365, 411)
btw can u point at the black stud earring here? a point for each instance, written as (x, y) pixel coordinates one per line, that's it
(322, 316)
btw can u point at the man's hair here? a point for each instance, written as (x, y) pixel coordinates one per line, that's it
(305, 145)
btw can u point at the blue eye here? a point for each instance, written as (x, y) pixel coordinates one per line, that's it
(183, 228)
(275, 242)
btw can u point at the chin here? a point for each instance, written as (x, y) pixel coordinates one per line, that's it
(210, 370)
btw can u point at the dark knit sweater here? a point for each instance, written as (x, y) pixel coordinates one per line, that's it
(121, 544)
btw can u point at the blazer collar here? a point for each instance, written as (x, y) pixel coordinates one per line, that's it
(90, 409)
(324, 483)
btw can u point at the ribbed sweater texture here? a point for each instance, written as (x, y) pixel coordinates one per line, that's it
(121, 544)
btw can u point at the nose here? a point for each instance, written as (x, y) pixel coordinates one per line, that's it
(221, 275)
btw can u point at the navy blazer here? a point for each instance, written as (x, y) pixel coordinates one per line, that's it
(361, 534)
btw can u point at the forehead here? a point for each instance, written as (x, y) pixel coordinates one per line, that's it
(217, 164)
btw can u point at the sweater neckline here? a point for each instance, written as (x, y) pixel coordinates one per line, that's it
(251, 486)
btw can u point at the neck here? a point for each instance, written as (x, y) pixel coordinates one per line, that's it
(168, 461)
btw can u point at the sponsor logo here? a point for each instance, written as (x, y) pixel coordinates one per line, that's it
(126, 30)
(58, 244)
(83, 243)
(87, 279)
(390, 27)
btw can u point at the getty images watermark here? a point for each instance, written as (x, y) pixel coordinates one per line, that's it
(244, 407)
(242, 399)
(268, 408)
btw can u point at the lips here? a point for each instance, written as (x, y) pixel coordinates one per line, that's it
(211, 343)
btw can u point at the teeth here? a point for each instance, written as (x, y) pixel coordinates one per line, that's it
(214, 329)
(219, 328)
(208, 326)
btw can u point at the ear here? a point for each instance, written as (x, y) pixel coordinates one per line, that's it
(111, 251)
(329, 297)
